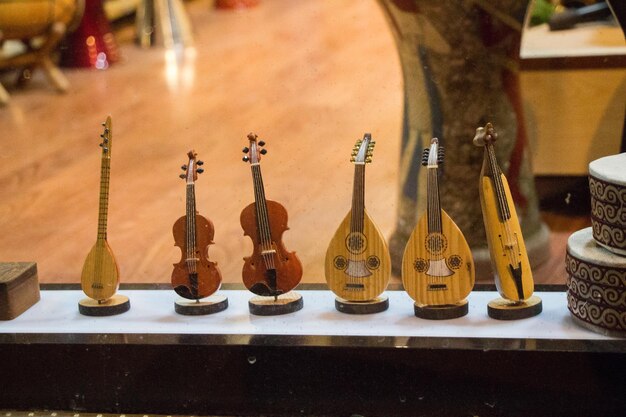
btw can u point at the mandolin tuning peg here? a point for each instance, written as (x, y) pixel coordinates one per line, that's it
(352, 159)
(200, 162)
(261, 143)
(245, 149)
(368, 160)
(245, 159)
(199, 170)
(183, 167)
(263, 151)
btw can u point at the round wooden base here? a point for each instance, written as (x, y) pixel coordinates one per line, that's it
(209, 305)
(269, 306)
(501, 309)
(117, 304)
(376, 305)
(441, 312)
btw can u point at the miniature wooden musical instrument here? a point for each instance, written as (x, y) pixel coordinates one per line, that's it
(100, 276)
(357, 262)
(194, 277)
(509, 258)
(271, 270)
(437, 266)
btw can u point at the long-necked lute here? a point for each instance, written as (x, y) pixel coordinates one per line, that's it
(357, 263)
(509, 258)
(194, 277)
(437, 266)
(271, 270)
(100, 276)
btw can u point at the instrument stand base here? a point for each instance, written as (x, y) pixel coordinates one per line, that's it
(377, 305)
(441, 312)
(502, 309)
(117, 304)
(268, 306)
(209, 305)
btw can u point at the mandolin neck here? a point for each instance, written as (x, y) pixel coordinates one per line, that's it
(265, 236)
(358, 198)
(496, 175)
(433, 206)
(190, 222)
(105, 172)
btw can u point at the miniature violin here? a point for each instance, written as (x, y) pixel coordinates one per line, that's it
(271, 270)
(509, 258)
(357, 263)
(437, 266)
(194, 277)
(100, 276)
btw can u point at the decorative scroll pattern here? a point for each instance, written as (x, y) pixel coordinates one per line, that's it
(613, 237)
(615, 277)
(599, 294)
(608, 213)
(605, 317)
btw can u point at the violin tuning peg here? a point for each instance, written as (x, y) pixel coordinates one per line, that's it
(199, 170)
(245, 159)
(200, 162)
(245, 149)
(263, 151)
(183, 167)
(261, 143)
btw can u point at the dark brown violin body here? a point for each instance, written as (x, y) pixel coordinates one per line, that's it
(207, 278)
(194, 277)
(287, 270)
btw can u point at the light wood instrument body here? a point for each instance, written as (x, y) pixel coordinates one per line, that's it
(358, 265)
(437, 276)
(100, 275)
(437, 265)
(509, 259)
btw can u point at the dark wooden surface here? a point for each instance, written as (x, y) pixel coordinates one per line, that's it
(19, 288)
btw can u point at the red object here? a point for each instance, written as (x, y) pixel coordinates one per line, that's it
(92, 44)
(235, 4)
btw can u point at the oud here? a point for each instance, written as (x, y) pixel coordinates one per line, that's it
(100, 276)
(271, 270)
(437, 266)
(194, 276)
(509, 259)
(358, 264)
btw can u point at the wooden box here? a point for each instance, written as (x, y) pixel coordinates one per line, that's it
(19, 288)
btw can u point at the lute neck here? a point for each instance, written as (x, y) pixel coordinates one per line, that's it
(433, 205)
(358, 198)
(105, 172)
(495, 171)
(262, 218)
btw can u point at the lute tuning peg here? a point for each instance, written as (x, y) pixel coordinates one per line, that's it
(199, 170)
(245, 149)
(200, 162)
(261, 143)
(245, 158)
(263, 151)
(183, 167)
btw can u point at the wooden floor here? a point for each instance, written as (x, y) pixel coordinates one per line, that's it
(309, 77)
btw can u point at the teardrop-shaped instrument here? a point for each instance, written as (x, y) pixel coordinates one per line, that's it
(358, 265)
(100, 276)
(437, 266)
(509, 258)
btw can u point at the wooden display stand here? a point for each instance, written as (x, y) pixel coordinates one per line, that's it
(19, 288)
(441, 312)
(377, 305)
(501, 309)
(37, 57)
(209, 305)
(274, 306)
(117, 304)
